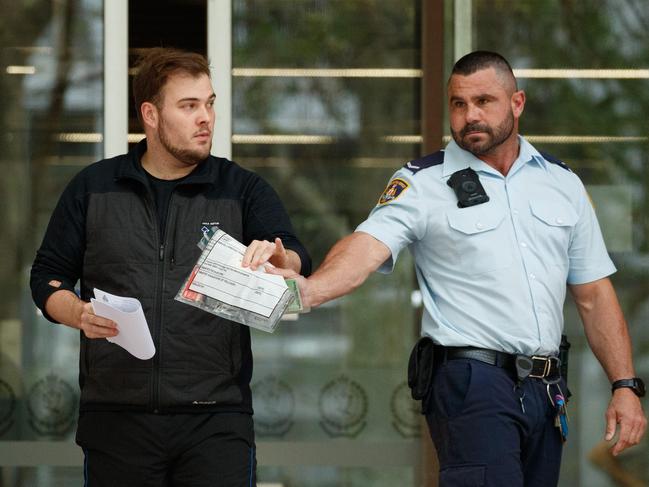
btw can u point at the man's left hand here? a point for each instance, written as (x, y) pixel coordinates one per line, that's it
(261, 251)
(625, 409)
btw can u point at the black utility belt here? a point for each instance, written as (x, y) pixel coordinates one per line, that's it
(536, 367)
(426, 357)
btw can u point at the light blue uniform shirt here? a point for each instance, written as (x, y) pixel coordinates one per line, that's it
(493, 275)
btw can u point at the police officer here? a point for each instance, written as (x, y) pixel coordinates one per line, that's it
(497, 230)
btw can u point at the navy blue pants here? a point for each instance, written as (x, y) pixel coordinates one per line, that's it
(482, 435)
(130, 449)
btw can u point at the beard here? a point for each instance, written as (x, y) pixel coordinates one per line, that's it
(190, 157)
(495, 136)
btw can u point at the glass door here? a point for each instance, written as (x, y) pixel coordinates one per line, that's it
(51, 125)
(325, 100)
(584, 67)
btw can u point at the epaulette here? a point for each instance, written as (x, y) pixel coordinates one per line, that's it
(434, 159)
(550, 158)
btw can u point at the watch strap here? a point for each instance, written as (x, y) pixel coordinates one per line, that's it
(634, 384)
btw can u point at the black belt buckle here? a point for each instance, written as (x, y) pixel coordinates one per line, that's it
(552, 379)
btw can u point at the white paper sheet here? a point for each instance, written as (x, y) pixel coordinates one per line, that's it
(134, 335)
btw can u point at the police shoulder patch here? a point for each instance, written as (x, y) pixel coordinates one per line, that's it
(394, 189)
(434, 159)
(553, 160)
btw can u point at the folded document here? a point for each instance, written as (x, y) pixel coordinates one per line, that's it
(134, 335)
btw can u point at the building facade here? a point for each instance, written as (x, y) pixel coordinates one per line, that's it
(325, 99)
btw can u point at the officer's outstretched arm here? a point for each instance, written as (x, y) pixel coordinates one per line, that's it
(349, 262)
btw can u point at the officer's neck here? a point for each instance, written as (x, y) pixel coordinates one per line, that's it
(502, 157)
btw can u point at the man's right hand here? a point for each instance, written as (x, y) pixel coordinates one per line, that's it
(65, 307)
(94, 326)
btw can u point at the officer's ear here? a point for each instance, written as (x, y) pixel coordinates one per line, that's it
(518, 103)
(149, 114)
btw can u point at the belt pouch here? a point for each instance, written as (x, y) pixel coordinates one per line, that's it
(421, 368)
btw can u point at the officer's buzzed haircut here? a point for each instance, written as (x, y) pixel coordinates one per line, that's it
(155, 66)
(479, 60)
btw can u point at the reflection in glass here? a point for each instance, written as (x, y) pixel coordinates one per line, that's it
(317, 94)
(596, 121)
(52, 70)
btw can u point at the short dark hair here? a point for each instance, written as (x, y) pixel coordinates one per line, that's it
(155, 66)
(479, 60)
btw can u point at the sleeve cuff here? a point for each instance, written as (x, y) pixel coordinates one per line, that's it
(305, 260)
(44, 291)
(586, 276)
(388, 266)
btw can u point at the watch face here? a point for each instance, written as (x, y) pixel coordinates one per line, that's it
(639, 386)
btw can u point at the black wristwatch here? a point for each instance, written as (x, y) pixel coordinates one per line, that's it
(636, 385)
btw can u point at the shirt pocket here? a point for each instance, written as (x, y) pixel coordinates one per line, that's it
(553, 225)
(481, 239)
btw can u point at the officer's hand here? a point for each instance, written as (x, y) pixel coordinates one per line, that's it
(302, 283)
(261, 251)
(94, 326)
(625, 409)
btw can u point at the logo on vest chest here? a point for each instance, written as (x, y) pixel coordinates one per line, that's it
(207, 229)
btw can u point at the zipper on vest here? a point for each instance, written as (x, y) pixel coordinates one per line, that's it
(171, 223)
(160, 297)
(157, 305)
(159, 301)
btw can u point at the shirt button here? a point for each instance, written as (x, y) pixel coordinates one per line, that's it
(559, 221)
(523, 244)
(532, 276)
(515, 212)
(479, 226)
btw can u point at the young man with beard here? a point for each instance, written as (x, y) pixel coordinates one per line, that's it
(498, 231)
(130, 226)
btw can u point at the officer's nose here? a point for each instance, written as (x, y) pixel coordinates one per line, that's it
(473, 113)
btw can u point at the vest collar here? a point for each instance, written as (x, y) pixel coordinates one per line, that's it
(131, 168)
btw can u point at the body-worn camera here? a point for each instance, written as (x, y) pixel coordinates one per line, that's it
(467, 187)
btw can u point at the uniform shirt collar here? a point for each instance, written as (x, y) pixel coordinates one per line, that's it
(456, 159)
(529, 154)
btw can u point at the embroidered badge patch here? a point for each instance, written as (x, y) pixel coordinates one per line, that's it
(393, 191)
